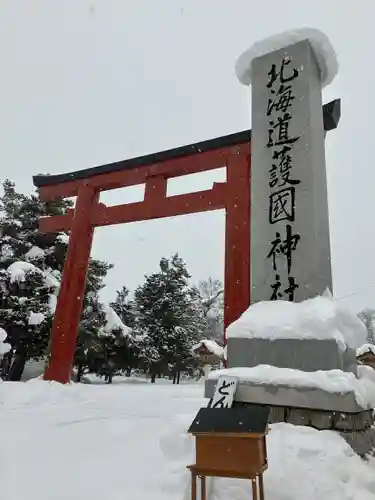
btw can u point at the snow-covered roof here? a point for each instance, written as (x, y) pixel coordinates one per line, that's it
(322, 47)
(364, 349)
(318, 318)
(211, 346)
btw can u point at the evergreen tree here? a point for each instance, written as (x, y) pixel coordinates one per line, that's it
(93, 320)
(31, 264)
(124, 307)
(107, 350)
(128, 350)
(168, 319)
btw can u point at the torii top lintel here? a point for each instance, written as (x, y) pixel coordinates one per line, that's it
(170, 163)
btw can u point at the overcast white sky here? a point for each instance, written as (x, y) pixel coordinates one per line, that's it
(87, 82)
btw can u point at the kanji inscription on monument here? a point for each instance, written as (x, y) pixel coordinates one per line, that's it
(290, 246)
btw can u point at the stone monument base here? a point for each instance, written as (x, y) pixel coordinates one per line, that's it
(357, 429)
(280, 395)
(303, 406)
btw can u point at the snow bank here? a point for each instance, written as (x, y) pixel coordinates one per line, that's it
(318, 318)
(322, 47)
(302, 463)
(333, 381)
(211, 346)
(149, 422)
(364, 349)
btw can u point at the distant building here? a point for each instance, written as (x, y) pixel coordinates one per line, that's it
(209, 352)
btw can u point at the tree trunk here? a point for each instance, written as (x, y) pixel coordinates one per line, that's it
(18, 366)
(129, 371)
(5, 365)
(178, 376)
(80, 371)
(109, 378)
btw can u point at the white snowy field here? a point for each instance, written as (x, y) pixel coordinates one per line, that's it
(128, 441)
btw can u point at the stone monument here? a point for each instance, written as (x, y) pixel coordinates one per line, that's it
(290, 244)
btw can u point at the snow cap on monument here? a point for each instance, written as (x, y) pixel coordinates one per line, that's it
(320, 318)
(320, 44)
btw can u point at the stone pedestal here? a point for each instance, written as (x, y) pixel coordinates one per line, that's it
(310, 407)
(307, 354)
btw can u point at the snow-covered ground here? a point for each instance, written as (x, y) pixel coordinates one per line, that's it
(129, 441)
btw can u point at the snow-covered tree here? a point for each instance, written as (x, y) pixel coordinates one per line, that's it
(105, 349)
(211, 294)
(368, 318)
(30, 267)
(92, 321)
(31, 264)
(124, 307)
(168, 318)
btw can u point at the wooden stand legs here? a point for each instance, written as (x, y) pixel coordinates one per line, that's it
(256, 483)
(193, 486)
(203, 487)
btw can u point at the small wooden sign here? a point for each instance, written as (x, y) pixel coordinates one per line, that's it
(224, 392)
(230, 442)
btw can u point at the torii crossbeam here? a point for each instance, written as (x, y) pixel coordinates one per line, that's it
(231, 151)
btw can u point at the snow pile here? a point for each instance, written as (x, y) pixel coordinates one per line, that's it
(364, 349)
(321, 46)
(35, 253)
(302, 463)
(150, 422)
(36, 318)
(318, 318)
(63, 238)
(50, 279)
(333, 381)
(113, 322)
(19, 269)
(225, 353)
(52, 302)
(4, 348)
(211, 346)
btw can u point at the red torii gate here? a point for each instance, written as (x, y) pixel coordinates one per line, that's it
(231, 151)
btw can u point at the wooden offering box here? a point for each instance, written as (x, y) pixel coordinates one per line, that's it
(230, 442)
